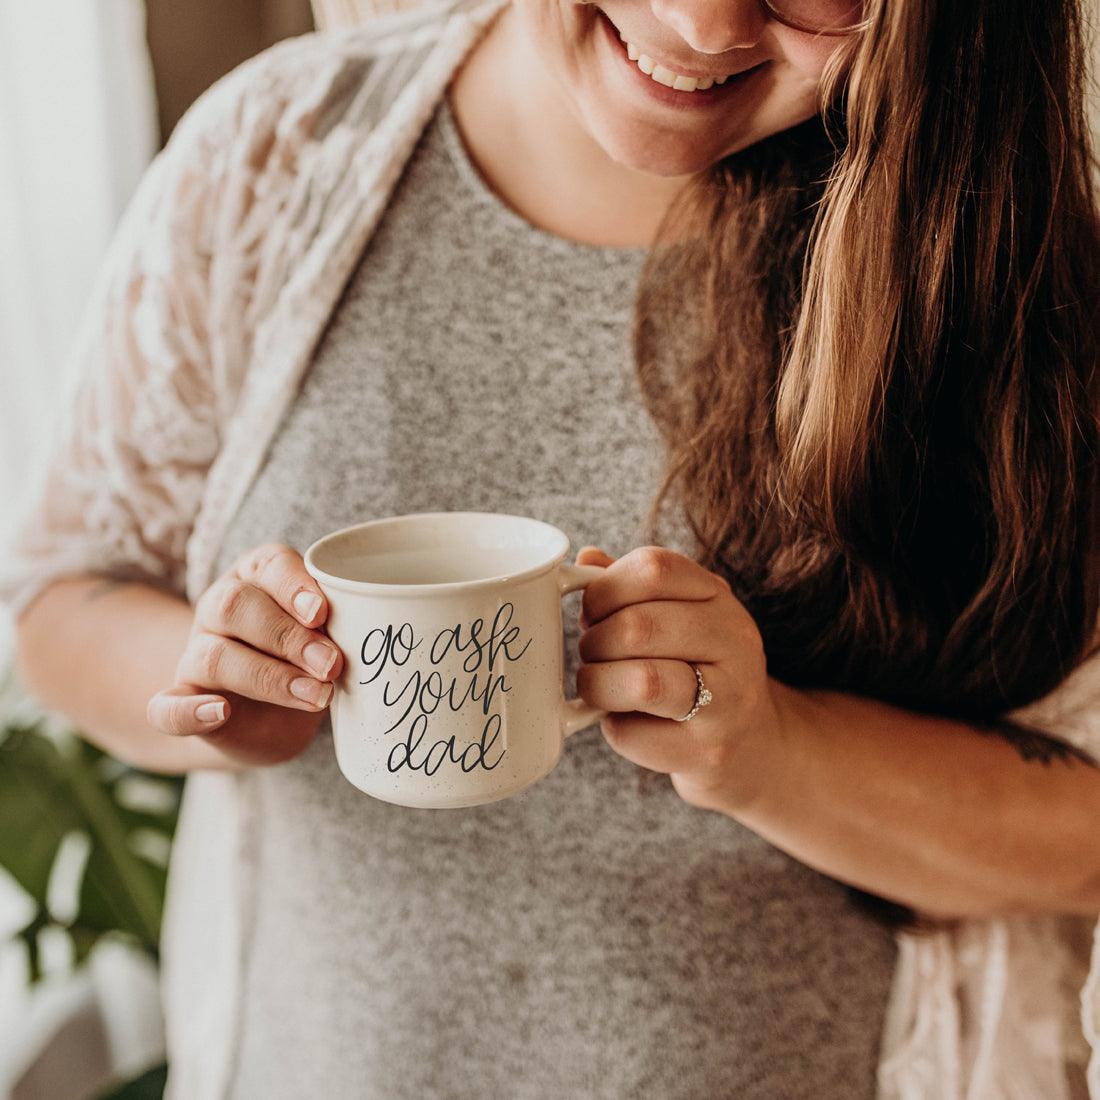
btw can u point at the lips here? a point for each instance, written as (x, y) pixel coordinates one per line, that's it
(671, 97)
(675, 67)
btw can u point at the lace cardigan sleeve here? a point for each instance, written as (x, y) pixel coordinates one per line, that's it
(139, 422)
(1071, 713)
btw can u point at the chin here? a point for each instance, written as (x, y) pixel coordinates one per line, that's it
(653, 152)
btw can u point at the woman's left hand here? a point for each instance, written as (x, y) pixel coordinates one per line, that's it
(645, 623)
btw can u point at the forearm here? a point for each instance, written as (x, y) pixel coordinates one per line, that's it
(95, 650)
(926, 811)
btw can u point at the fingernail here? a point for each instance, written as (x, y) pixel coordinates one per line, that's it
(312, 691)
(210, 712)
(307, 604)
(319, 657)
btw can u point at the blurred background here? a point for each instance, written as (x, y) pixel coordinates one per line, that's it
(89, 91)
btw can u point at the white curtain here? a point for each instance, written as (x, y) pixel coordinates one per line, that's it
(78, 125)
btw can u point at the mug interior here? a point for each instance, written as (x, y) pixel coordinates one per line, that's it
(435, 549)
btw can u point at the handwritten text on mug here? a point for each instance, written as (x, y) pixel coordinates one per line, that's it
(389, 648)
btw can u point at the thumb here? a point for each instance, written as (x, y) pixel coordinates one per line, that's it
(186, 709)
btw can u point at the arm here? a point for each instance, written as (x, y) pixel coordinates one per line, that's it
(96, 650)
(928, 811)
(132, 664)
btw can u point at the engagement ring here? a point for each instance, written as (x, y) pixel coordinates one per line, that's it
(702, 697)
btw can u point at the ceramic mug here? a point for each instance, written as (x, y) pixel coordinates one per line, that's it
(450, 624)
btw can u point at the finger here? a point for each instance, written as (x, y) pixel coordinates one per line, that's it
(648, 573)
(239, 609)
(185, 709)
(230, 665)
(672, 629)
(590, 555)
(660, 744)
(593, 555)
(665, 689)
(278, 569)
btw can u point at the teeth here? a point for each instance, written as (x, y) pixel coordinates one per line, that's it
(665, 76)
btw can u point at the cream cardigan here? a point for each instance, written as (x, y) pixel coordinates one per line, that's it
(222, 274)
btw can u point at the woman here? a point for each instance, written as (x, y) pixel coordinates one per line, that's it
(396, 269)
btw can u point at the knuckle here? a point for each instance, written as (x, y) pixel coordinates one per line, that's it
(653, 566)
(173, 720)
(206, 604)
(650, 682)
(270, 681)
(638, 628)
(230, 601)
(751, 642)
(212, 652)
(286, 636)
(163, 714)
(263, 561)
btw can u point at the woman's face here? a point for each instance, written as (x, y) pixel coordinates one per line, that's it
(647, 126)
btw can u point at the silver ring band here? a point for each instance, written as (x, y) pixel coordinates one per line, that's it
(702, 696)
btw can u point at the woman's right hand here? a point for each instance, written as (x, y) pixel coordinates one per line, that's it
(253, 676)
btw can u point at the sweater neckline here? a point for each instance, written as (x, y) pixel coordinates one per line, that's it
(481, 190)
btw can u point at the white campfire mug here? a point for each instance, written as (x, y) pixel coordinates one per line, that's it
(450, 624)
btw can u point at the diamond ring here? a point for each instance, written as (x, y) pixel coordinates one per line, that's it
(702, 697)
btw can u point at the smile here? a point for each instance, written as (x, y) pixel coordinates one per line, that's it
(681, 86)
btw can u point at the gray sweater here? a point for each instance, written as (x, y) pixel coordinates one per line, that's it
(591, 937)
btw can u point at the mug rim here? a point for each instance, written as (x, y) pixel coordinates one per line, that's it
(430, 588)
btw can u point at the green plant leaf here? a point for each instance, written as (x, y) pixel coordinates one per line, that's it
(106, 907)
(148, 1086)
(120, 889)
(36, 808)
(50, 787)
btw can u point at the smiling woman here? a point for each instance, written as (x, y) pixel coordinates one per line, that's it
(839, 312)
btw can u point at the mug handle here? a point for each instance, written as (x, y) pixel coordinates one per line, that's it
(576, 713)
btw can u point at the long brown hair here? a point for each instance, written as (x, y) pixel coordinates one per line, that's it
(880, 406)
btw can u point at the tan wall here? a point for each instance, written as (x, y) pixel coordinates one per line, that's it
(193, 42)
(341, 13)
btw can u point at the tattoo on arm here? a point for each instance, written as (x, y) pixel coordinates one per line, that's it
(1033, 745)
(104, 586)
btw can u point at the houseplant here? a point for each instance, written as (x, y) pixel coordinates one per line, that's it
(56, 788)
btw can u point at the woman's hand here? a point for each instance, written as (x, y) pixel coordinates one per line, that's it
(653, 615)
(257, 671)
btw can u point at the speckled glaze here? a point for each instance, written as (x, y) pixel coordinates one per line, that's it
(451, 693)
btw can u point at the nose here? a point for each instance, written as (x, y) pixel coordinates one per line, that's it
(713, 26)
